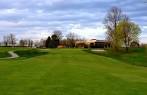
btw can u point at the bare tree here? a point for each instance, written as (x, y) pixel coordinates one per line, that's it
(111, 21)
(71, 39)
(12, 39)
(64, 42)
(30, 43)
(22, 43)
(9, 40)
(58, 33)
(42, 43)
(5, 41)
(26, 43)
(37, 44)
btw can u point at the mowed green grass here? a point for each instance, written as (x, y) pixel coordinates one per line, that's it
(69, 72)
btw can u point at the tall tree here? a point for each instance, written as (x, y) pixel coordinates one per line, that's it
(22, 43)
(58, 33)
(26, 42)
(9, 40)
(71, 39)
(12, 39)
(43, 43)
(55, 41)
(129, 32)
(111, 21)
(48, 42)
(52, 42)
(6, 40)
(30, 43)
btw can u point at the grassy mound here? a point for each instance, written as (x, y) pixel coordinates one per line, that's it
(30, 53)
(135, 56)
(4, 54)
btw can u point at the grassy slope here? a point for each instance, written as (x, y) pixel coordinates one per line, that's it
(4, 53)
(136, 56)
(71, 72)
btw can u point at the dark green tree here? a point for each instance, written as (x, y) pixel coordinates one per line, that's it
(48, 41)
(54, 41)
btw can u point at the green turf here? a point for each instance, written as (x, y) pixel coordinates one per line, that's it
(4, 53)
(28, 53)
(135, 56)
(70, 72)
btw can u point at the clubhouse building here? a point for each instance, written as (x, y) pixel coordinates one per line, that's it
(93, 43)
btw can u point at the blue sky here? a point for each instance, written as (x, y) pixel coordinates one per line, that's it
(37, 19)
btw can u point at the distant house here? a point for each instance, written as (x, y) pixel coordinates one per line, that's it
(134, 44)
(102, 44)
(80, 44)
(93, 43)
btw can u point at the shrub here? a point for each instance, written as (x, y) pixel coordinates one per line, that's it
(145, 47)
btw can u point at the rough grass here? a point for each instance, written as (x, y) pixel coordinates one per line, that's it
(4, 54)
(30, 53)
(135, 56)
(71, 72)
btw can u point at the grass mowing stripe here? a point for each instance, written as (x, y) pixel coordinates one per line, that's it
(70, 72)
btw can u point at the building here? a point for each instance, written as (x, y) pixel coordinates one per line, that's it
(93, 43)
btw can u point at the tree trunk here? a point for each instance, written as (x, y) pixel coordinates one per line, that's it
(127, 49)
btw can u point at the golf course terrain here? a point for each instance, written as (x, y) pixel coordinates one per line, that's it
(72, 72)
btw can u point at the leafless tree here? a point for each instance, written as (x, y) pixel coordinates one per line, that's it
(12, 39)
(26, 43)
(30, 43)
(111, 21)
(22, 43)
(6, 40)
(42, 43)
(71, 39)
(37, 44)
(64, 42)
(58, 33)
(9, 40)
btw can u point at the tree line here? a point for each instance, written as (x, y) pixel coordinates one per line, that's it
(121, 32)
(57, 40)
(53, 41)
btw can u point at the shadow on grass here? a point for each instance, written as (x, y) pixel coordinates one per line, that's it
(4, 54)
(136, 56)
(25, 54)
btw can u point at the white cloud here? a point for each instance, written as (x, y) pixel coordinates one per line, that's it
(143, 39)
(36, 33)
(6, 24)
(89, 33)
(144, 27)
(33, 19)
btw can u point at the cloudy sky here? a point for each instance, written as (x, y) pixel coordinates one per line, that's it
(37, 19)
